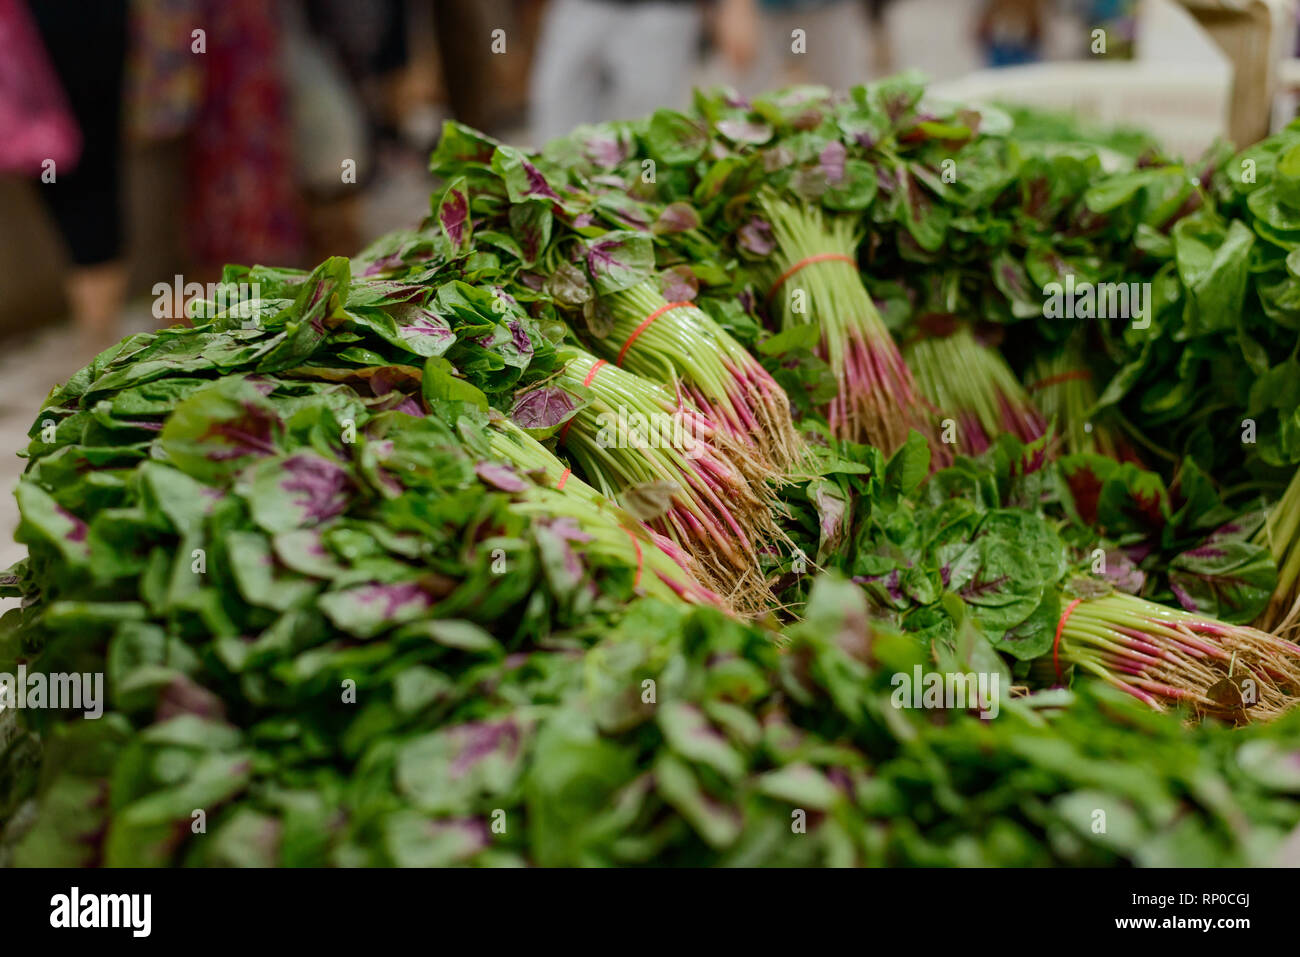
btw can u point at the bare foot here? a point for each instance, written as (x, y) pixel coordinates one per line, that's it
(96, 295)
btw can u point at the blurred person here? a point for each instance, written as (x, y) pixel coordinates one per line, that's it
(758, 39)
(164, 78)
(212, 73)
(1119, 19)
(1010, 32)
(612, 59)
(882, 51)
(244, 205)
(370, 43)
(465, 68)
(332, 133)
(86, 44)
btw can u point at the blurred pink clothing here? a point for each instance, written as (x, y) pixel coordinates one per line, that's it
(231, 102)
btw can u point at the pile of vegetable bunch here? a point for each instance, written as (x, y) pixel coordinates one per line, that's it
(763, 185)
(598, 519)
(660, 406)
(968, 227)
(1058, 586)
(1146, 301)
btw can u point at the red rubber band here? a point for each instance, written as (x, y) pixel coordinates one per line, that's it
(1060, 627)
(808, 261)
(636, 543)
(592, 374)
(563, 478)
(644, 324)
(564, 429)
(1059, 378)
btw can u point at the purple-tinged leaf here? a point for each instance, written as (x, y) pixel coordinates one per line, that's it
(477, 741)
(832, 161)
(421, 330)
(43, 518)
(563, 567)
(743, 131)
(453, 216)
(303, 550)
(679, 284)
(831, 511)
(676, 218)
(455, 767)
(756, 238)
(546, 407)
(605, 149)
(501, 477)
(219, 429)
(523, 180)
(531, 225)
(620, 260)
(298, 491)
(1184, 599)
(569, 530)
(568, 286)
(1123, 573)
(366, 610)
(461, 144)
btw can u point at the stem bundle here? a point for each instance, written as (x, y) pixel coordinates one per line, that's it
(1281, 534)
(670, 465)
(1164, 655)
(814, 278)
(1062, 386)
(668, 342)
(974, 384)
(662, 569)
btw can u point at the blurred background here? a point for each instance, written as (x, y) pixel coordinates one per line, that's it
(145, 143)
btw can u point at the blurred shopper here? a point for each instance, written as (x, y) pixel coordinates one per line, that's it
(612, 59)
(332, 136)
(244, 203)
(771, 42)
(882, 51)
(369, 42)
(164, 76)
(86, 43)
(213, 73)
(466, 71)
(1119, 19)
(1010, 32)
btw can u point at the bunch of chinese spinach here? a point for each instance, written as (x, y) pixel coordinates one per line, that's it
(676, 737)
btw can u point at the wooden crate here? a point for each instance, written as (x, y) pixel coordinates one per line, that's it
(1251, 33)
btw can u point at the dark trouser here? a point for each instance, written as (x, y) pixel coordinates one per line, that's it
(86, 43)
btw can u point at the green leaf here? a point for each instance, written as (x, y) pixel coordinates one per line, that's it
(909, 466)
(441, 385)
(619, 260)
(675, 139)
